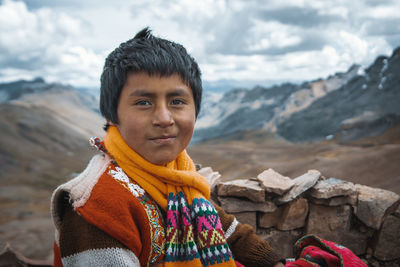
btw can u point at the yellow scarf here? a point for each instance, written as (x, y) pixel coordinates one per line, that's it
(158, 181)
(194, 235)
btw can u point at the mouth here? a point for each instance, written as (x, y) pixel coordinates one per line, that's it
(163, 140)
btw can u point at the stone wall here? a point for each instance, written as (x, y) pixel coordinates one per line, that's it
(281, 209)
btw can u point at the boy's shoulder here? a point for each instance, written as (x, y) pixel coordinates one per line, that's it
(77, 191)
(101, 188)
(105, 197)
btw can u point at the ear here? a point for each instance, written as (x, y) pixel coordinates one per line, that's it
(111, 123)
(108, 124)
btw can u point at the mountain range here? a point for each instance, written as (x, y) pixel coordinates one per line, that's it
(42, 122)
(346, 106)
(44, 129)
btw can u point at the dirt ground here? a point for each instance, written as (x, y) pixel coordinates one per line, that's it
(376, 166)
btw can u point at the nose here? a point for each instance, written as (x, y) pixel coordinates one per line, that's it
(162, 117)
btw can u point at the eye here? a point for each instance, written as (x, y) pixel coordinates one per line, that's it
(142, 103)
(178, 102)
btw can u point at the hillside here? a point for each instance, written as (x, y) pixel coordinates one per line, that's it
(366, 106)
(351, 105)
(43, 127)
(44, 132)
(252, 152)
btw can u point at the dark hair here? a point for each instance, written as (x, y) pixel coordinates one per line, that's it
(150, 54)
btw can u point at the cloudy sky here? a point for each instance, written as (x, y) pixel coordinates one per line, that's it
(258, 42)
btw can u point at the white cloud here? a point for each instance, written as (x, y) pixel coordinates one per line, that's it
(272, 34)
(384, 12)
(68, 40)
(41, 43)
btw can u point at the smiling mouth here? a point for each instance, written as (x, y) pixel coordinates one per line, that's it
(163, 140)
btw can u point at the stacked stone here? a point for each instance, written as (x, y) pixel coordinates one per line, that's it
(281, 209)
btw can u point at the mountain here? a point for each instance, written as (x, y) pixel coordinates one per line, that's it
(44, 129)
(350, 105)
(239, 110)
(365, 106)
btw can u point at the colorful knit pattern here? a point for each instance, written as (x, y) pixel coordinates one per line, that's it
(153, 213)
(186, 221)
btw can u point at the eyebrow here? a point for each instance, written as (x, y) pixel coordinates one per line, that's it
(146, 93)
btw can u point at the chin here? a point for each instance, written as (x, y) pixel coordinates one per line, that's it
(162, 161)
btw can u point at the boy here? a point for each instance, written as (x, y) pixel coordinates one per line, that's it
(141, 202)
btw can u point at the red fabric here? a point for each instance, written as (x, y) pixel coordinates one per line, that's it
(320, 254)
(312, 249)
(238, 264)
(57, 256)
(301, 263)
(348, 257)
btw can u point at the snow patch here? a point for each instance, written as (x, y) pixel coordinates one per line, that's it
(381, 74)
(382, 82)
(329, 137)
(366, 116)
(215, 109)
(385, 66)
(361, 72)
(259, 103)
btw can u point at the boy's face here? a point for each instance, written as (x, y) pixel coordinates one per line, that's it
(156, 116)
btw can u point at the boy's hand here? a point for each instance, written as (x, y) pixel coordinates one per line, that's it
(279, 264)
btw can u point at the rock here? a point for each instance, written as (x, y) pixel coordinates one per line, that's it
(368, 232)
(231, 205)
(355, 241)
(294, 215)
(332, 187)
(12, 257)
(333, 224)
(282, 241)
(369, 253)
(269, 219)
(397, 212)
(242, 188)
(387, 246)
(395, 263)
(211, 176)
(274, 182)
(301, 184)
(374, 204)
(34, 237)
(247, 218)
(328, 219)
(336, 201)
(373, 263)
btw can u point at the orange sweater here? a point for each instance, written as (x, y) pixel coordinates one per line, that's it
(102, 219)
(110, 208)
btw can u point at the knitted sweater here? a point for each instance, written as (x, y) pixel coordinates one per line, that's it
(103, 218)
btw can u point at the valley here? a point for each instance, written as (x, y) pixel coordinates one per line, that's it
(373, 165)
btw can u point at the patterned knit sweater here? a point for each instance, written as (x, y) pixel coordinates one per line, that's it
(103, 218)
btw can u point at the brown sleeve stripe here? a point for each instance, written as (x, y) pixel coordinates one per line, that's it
(77, 235)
